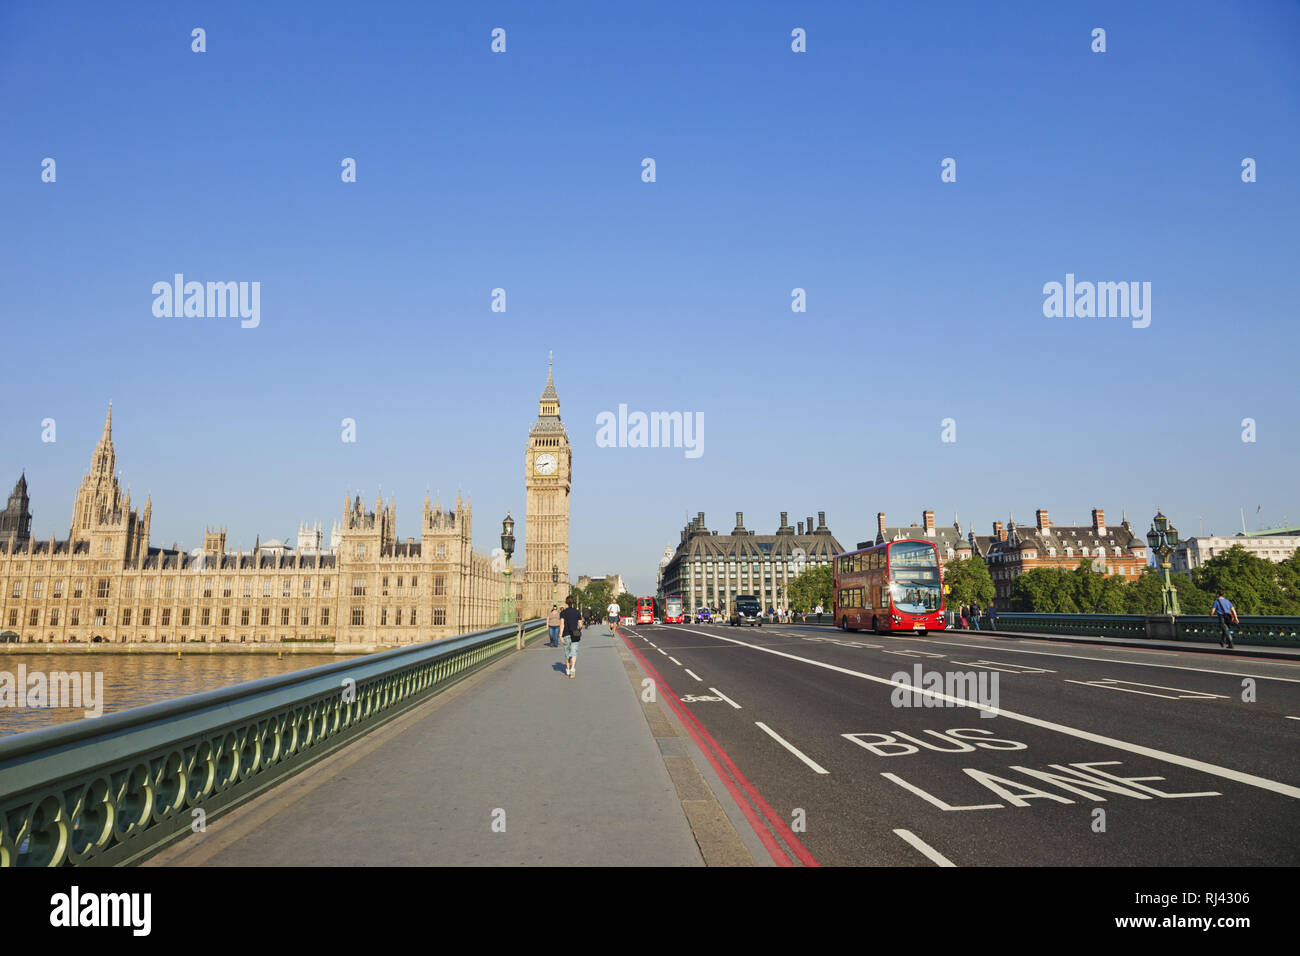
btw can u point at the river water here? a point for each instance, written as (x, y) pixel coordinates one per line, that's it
(132, 680)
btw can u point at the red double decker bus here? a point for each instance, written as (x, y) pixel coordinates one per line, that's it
(673, 613)
(645, 610)
(895, 586)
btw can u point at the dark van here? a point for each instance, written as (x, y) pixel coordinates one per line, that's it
(746, 610)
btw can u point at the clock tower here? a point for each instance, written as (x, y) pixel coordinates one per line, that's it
(548, 463)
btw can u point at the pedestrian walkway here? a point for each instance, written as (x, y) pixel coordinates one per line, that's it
(516, 766)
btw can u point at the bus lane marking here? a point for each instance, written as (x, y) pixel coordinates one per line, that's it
(913, 654)
(928, 851)
(1191, 763)
(818, 768)
(1111, 683)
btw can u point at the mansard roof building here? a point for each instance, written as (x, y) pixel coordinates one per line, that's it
(709, 569)
(108, 582)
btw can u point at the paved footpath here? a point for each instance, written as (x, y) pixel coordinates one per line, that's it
(568, 768)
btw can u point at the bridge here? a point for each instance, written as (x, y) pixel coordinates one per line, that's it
(1051, 741)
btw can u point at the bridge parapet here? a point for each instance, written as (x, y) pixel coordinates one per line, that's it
(1282, 631)
(116, 789)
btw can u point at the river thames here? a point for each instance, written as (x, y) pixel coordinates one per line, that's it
(133, 680)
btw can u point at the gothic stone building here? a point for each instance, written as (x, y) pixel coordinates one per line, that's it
(709, 569)
(106, 581)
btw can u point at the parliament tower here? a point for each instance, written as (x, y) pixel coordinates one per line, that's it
(548, 464)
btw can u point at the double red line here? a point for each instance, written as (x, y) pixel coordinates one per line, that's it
(738, 785)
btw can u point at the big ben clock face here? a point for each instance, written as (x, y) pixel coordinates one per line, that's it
(545, 464)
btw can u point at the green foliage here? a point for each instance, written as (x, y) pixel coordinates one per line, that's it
(1253, 584)
(1085, 591)
(968, 580)
(579, 597)
(599, 596)
(626, 604)
(811, 588)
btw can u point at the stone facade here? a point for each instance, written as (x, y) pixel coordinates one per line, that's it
(1014, 549)
(1275, 545)
(107, 582)
(709, 569)
(548, 471)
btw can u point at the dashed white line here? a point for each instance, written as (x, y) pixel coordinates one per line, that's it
(695, 675)
(675, 660)
(788, 746)
(725, 697)
(662, 651)
(929, 851)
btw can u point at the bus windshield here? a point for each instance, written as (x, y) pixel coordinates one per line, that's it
(914, 577)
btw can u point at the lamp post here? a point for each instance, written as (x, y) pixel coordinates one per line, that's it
(507, 615)
(1163, 540)
(555, 580)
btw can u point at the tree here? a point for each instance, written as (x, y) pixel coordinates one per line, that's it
(1250, 582)
(1145, 595)
(598, 597)
(811, 588)
(626, 604)
(968, 581)
(1288, 582)
(579, 597)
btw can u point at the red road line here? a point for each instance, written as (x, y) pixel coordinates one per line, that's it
(697, 730)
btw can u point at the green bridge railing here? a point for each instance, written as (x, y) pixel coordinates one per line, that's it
(1256, 629)
(116, 789)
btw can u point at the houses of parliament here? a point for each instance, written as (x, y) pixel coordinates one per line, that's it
(107, 582)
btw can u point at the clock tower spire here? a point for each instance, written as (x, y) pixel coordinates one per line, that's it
(548, 462)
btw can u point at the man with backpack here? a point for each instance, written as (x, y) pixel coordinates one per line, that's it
(1227, 614)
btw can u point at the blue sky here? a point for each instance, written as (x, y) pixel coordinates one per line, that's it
(775, 170)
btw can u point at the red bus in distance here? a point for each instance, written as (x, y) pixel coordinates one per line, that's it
(895, 586)
(645, 610)
(673, 613)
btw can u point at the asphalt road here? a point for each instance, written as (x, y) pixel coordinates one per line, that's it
(1080, 755)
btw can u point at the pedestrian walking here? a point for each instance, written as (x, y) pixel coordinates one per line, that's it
(571, 625)
(975, 617)
(553, 627)
(612, 611)
(993, 624)
(1227, 614)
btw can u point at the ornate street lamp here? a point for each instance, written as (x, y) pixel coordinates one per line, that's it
(555, 580)
(1163, 540)
(507, 615)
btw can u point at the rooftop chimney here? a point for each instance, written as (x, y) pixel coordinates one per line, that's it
(928, 519)
(1098, 521)
(880, 524)
(801, 527)
(821, 521)
(1044, 522)
(740, 523)
(999, 531)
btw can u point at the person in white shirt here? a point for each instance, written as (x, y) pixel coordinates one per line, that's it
(613, 615)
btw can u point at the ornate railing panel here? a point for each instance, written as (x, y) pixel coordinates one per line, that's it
(116, 789)
(1255, 629)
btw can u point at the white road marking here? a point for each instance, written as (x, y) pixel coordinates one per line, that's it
(695, 675)
(1110, 683)
(725, 697)
(1114, 660)
(662, 651)
(1005, 667)
(1293, 718)
(935, 801)
(1190, 762)
(913, 654)
(675, 660)
(788, 746)
(930, 852)
(652, 643)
